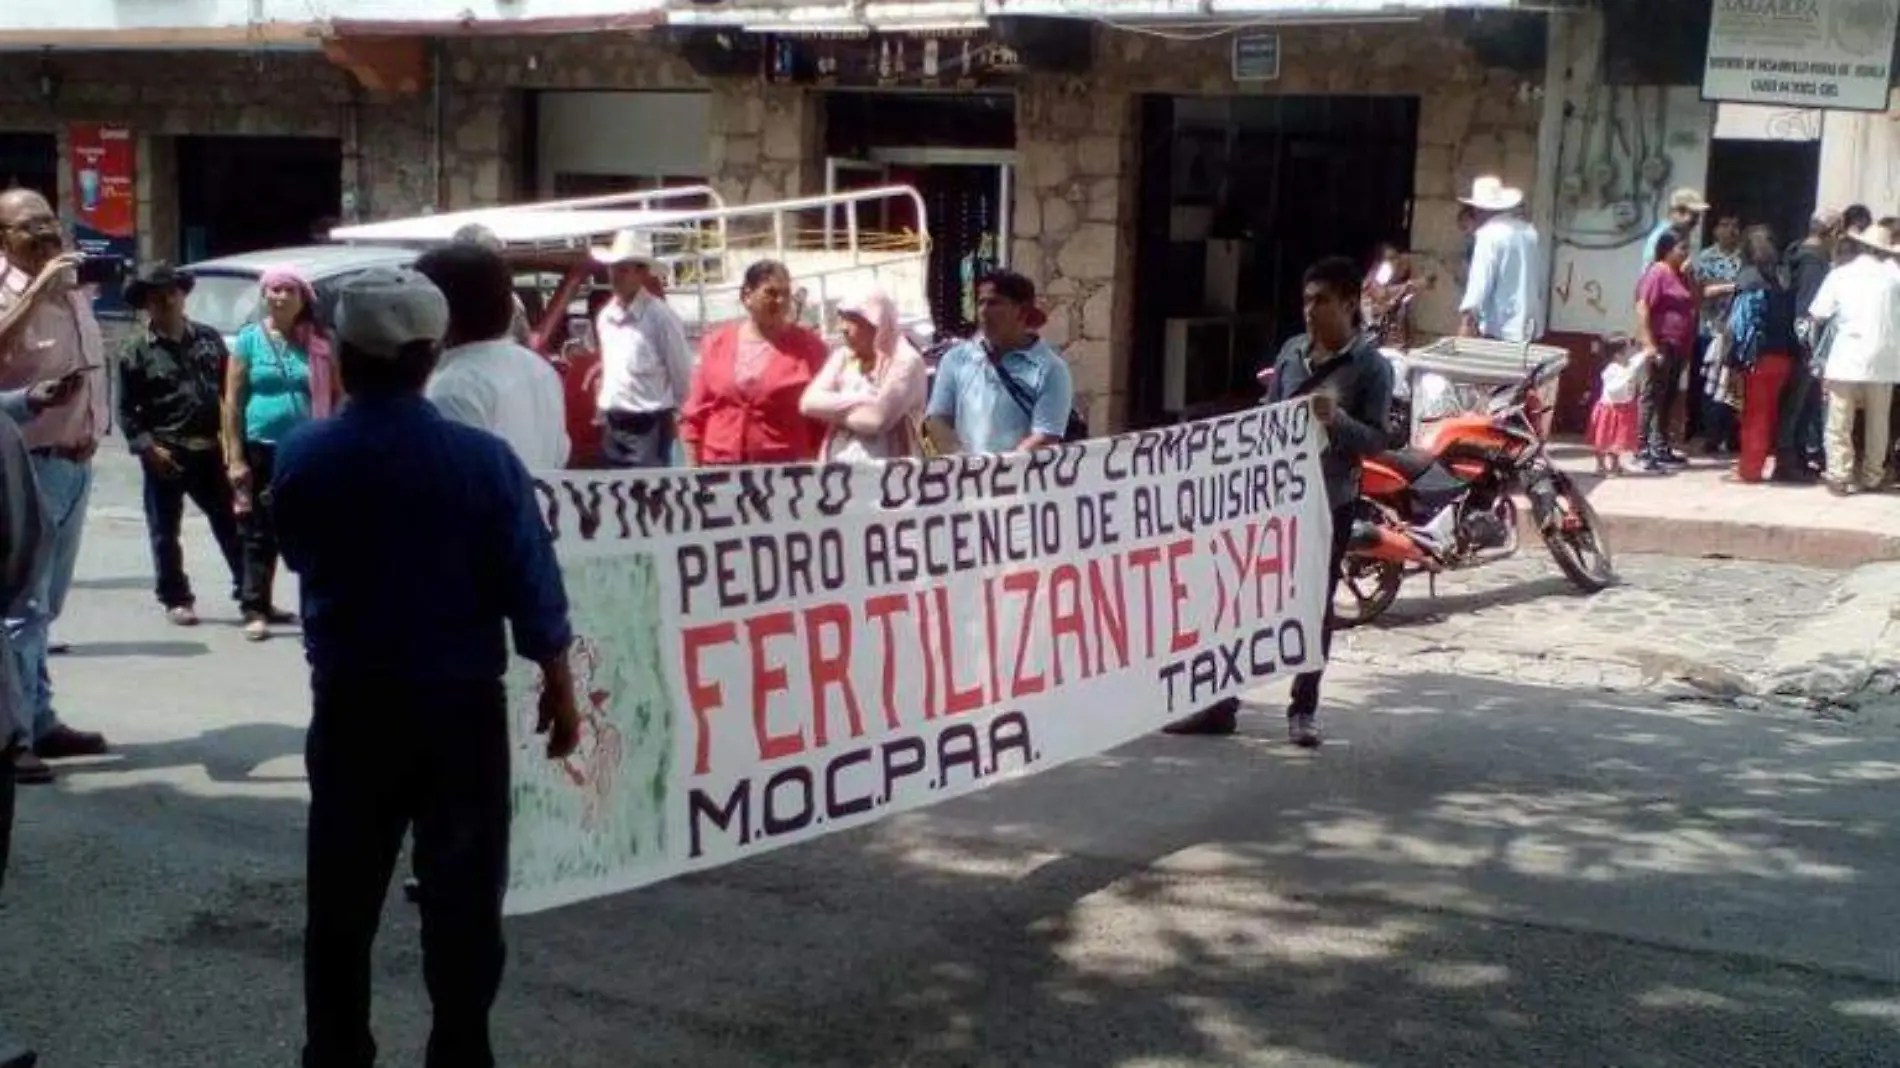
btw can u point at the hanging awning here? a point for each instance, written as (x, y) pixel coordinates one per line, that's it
(898, 16)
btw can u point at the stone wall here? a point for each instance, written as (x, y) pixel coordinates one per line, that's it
(1075, 222)
(1074, 231)
(388, 147)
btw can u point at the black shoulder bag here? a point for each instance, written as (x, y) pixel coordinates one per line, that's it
(1078, 428)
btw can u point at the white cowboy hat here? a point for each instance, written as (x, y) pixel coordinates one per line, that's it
(1489, 193)
(629, 246)
(1876, 237)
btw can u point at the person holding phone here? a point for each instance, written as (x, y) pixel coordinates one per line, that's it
(48, 334)
(279, 377)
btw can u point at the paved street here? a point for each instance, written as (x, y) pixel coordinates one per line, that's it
(1513, 851)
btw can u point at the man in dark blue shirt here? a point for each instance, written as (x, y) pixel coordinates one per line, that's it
(418, 541)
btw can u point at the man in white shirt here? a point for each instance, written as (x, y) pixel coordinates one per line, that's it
(484, 379)
(1862, 298)
(646, 363)
(1502, 294)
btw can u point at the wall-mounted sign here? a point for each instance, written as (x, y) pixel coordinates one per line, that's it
(965, 60)
(105, 198)
(1832, 54)
(1256, 56)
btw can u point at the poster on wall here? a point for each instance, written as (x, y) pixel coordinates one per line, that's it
(767, 655)
(1828, 54)
(105, 204)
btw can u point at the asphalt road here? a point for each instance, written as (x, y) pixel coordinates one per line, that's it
(1522, 868)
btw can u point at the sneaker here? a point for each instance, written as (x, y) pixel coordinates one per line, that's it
(1672, 458)
(256, 628)
(1302, 730)
(182, 615)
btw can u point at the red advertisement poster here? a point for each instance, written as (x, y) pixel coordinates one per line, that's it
(102, 179)
(105, 206)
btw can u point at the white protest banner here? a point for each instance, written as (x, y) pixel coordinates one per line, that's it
(765, 655)
(1834, 54)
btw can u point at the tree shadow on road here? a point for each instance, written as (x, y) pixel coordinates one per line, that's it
(1475, 872)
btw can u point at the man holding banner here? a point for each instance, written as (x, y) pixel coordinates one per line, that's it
(418, 542)
(1350, 383)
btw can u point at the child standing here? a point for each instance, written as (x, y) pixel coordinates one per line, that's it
(1613, 421)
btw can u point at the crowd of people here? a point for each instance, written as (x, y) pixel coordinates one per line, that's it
(1784, 357)
(384, 457)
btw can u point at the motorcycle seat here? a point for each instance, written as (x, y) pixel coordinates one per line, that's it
(1411, 463)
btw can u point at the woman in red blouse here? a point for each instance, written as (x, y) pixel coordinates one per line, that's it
(743, 406)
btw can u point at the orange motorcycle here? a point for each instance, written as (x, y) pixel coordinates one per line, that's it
(1450, 503)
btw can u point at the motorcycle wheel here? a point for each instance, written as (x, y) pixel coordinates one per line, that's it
(1576, 538)
(1370, 587)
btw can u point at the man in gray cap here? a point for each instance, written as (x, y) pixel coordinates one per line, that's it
(419, 543)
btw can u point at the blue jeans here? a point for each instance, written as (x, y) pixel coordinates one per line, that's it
(64, 488)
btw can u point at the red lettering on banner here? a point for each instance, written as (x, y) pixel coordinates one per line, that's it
(703, 695)
(881, 608)
(1241, 557)
(1022, 684)
(1273, 564)
(989, 644)
(1182, 638)
(1111, 614)
(1144, 561)
(1067, 621)
(956, 701)
(769, 678)
(830, 669)
(930, 655)
(1071, 623)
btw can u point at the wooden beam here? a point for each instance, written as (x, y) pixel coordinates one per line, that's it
(382, 64)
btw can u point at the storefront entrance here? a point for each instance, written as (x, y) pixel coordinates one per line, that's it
(244, 194)
(958, 152)
(1768, 183)
(1238, 196)
(30, 161)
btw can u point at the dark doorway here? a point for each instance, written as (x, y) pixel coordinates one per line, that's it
(957, 151)
(243, 194)
(30, 161)
(1765, 182)
(1238, 196)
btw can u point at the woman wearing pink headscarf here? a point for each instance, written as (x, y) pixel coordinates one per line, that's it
(281, 375)
(871, 391)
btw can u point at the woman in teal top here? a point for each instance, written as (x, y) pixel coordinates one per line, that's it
(280, 376)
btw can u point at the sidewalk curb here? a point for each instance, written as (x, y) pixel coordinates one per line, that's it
(1724, 539)
(1764, 542)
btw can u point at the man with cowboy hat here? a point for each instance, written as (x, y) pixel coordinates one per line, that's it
(169, 386)
(1862, 298)
(1502, 294)
(646, 363)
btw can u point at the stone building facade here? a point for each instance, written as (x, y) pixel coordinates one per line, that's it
(1075, 225)
(458, 140)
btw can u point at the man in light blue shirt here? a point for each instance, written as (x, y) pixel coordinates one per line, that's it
(1503, 298)
(1005, 390)
(1686, 208)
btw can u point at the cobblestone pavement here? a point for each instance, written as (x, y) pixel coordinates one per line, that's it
(1666, 623)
